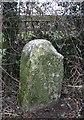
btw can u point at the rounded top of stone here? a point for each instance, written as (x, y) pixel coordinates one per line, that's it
(36, 42)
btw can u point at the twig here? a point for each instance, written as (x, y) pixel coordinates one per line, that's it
(10, 75)
(75, 86)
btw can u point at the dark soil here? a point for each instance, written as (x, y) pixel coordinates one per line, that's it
(70, 105)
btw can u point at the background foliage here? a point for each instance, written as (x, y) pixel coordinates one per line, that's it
(65, 31)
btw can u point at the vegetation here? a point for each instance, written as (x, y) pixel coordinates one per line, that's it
(64, 31)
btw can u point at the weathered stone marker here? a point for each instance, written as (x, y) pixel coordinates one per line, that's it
(41, 74)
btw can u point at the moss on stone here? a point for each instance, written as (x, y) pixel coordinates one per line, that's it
(41, 74)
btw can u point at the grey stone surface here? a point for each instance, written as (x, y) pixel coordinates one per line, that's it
(41, 75)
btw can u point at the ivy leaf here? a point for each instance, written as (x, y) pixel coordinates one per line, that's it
(5, 45)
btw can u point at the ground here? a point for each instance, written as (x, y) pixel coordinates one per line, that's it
(70, 105)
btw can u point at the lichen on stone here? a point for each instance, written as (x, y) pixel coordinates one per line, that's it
(41, 75)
